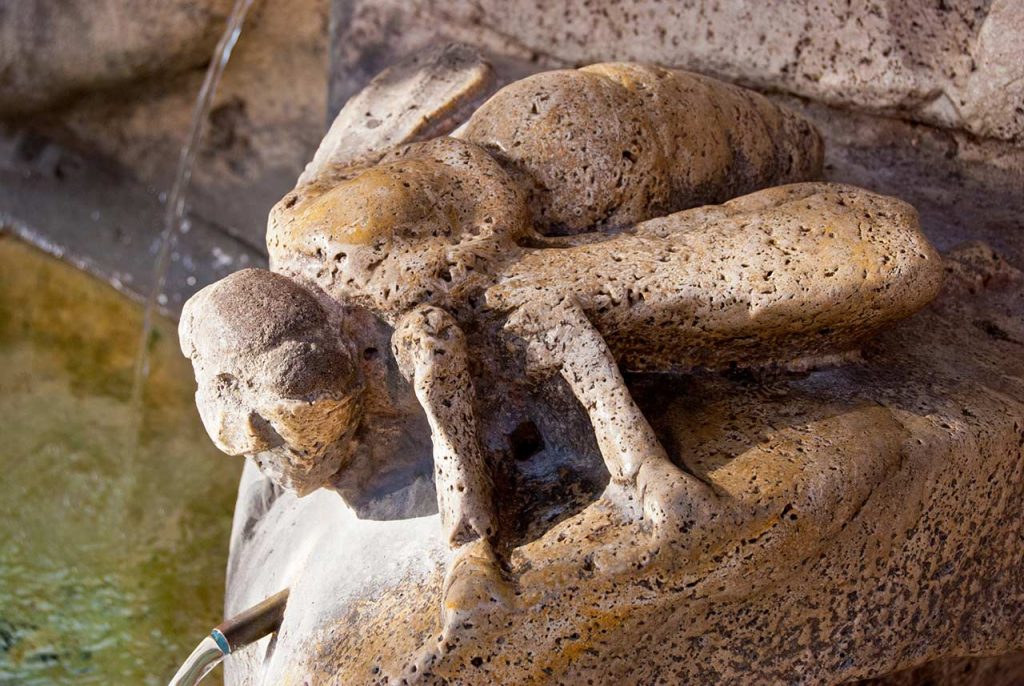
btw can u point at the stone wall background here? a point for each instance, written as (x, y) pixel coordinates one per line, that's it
(951, 63)
(95, 104)
(116, 80)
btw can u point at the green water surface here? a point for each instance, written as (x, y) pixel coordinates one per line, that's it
(113, 527)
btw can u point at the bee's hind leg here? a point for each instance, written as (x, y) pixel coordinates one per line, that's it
(676, 504)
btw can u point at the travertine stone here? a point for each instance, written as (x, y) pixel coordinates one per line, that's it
(431, 351)
(613, 144)
(880, 531)
(956, 63)
(425, 226)
(283, 388)
(410, 100)
(430, 254)
(436, 237)
(787, 276)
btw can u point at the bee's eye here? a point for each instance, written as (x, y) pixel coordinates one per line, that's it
(303, 370)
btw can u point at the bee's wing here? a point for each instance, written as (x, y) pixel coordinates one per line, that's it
(419, 97)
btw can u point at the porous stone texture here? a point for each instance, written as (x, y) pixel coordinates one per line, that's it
(613, 144)
(901, 543)
(860, 522)
(429, 224)
(787, 275)
(881, 532)
(431, 349)
(883, 489)
(411, 100)
(283, 390)
(785, 508)
(957, 64)
(438, 225)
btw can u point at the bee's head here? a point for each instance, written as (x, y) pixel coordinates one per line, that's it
(276, 381)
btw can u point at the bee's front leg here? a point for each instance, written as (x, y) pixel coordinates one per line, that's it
(559, 337)
(431, 352)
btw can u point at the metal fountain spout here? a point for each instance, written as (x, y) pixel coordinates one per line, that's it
(230, 635)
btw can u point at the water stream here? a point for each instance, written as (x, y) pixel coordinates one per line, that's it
(174, 214)
(201, 662)
(207, 654)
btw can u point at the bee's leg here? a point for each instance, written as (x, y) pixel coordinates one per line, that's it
(431, 352)
(559, 336)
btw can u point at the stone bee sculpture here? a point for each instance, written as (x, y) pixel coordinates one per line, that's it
(557, 215)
